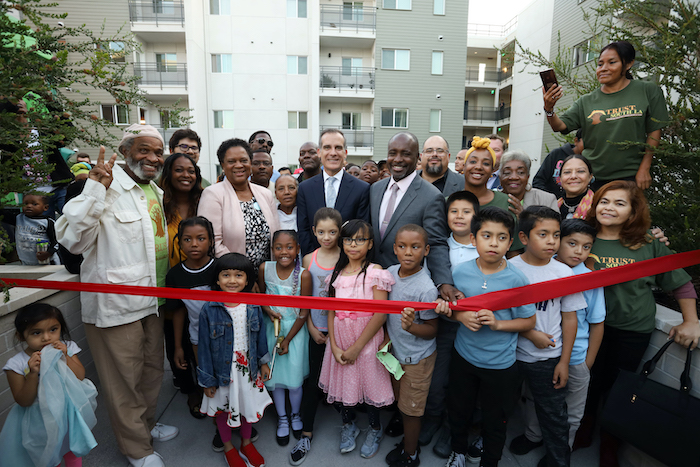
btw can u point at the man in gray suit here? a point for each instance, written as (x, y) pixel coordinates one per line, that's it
(406, 198)
(435, 158)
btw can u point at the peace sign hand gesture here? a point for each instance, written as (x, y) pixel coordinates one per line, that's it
(102, 172)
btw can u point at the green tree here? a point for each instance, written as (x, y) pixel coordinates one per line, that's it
(666, 37)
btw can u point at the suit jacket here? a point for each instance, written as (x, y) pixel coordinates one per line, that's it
(352, 203)
(423, 204)
(219, 203)
(453, 183)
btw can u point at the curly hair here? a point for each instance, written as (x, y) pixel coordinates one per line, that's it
(169, 198)
(634, 231)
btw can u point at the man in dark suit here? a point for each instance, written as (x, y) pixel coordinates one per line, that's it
(435, 158)
(406, 198)
(331, 188)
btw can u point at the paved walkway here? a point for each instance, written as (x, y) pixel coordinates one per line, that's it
(193, 445)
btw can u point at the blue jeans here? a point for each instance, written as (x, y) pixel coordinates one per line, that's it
(550, 406)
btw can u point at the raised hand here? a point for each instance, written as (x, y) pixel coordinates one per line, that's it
(102, 172)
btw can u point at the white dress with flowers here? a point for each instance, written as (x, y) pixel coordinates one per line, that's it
(246, 394)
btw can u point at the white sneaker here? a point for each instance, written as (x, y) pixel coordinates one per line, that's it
(162, 432)
(152, 460)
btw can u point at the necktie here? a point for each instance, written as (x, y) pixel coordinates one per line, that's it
(331, 192)
(389, 209)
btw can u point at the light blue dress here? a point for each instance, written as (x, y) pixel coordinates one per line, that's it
(291, 369)
(59, 420)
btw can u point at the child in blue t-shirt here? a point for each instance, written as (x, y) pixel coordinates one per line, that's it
(544, 353)
(483, 364)
(461, 206)
(577, 238)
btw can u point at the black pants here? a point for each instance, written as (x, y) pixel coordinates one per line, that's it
(436, 404)
(312, 394)
(184, 378)
(620, 350)
(497, 391)
(550, 406)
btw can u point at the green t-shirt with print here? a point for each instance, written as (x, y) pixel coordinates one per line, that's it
(160, 234)
(630, 306)
(626, 115)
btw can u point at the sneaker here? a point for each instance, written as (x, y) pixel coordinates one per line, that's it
(254, 435)
(152, 460)
(397, 453)
(395, 426)
(347, 437)
(216, 444)
(371, 444)
(521, 445)
(252, 456)
(406, 461)
(443, 445)
(475, 450)
(430, 426)
(162, 432)
(456, 460)
(233, 459)
(300, 450)
(297, 425)
(283, 430)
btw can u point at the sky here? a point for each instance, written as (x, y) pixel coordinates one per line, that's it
(481, 11)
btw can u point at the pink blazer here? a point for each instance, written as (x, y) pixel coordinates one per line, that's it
(219, 203)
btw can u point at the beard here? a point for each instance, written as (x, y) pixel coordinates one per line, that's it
(137, 169)
(434, 169)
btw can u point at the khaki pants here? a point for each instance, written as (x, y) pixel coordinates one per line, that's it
(129, 361)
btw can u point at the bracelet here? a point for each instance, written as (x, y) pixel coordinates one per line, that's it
(548, 113)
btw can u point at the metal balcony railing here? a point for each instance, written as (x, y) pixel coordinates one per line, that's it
(341, 77)
(358, 137)
(154, 73)
(486, 114)
(490, 74)
(157, 11)
(348, 18)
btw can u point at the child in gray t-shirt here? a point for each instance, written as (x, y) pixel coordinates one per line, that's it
(412, 337)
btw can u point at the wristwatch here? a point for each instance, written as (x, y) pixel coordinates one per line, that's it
(548, 113)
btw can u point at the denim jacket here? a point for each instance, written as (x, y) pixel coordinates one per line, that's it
(215, 349)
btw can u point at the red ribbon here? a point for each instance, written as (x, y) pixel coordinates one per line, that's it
(499, 300)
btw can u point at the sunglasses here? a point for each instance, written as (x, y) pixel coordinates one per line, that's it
(263, 141)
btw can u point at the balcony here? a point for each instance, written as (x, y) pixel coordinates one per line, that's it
(360, 140)
(162, 79)
(476, 116)
(347, 82)
(151, 19)
(340, 23)
(490, 75)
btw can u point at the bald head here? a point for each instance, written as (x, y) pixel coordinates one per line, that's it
(435, 156)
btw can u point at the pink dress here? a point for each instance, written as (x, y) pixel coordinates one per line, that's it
(365, 381)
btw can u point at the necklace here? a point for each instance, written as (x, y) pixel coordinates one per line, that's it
(486, 278)
(571, 209)
(351, 272)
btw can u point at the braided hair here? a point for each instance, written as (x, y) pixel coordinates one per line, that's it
(296, 274)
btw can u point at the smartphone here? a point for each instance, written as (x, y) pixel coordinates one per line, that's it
(549, 79)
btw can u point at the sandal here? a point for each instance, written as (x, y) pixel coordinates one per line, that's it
(194, 402)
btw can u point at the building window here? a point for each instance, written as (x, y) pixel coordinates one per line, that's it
(586, 51)
(435, 118)
(482, 72)
(397, 4)
(221, 63)
(352, 11)
(296, 65)
(296, 8)
(116, 113)
(352, 121)
(116, 51)
(220, 7)
(297, 120)
(437, 63)
(394, 118)
(166, 62)
(438, 7)
(223, 119)
(394, 59)
(351, 67)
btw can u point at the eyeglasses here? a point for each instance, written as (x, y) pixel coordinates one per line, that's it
(438, 151)
(263, 141)
(358, 241)
(263, 163)
(186, 148)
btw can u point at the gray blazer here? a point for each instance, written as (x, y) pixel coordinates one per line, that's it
(453, 183)
(423, 204)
